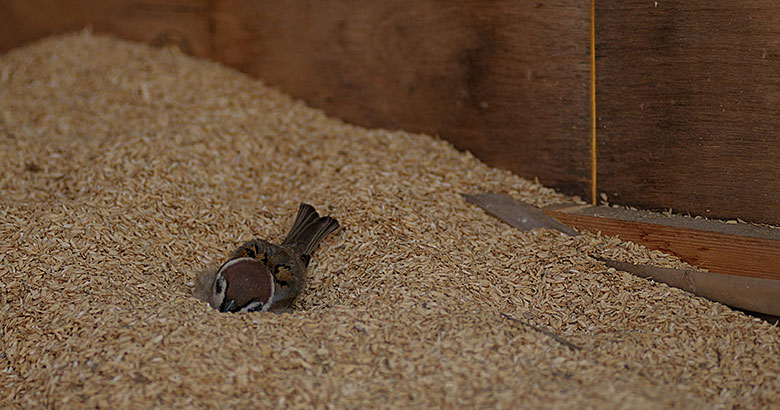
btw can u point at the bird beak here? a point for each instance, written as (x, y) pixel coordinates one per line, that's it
(227, 307)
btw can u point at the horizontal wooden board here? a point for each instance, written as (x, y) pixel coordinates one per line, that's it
(757, 255)
(755, 294)
(506, 80)
(688, 95)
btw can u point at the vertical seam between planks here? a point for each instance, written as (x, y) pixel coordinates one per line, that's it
(593, 151)
(211, 25)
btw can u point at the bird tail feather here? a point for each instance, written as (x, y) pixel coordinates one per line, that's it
(309, 229)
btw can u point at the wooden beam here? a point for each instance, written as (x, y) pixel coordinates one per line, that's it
(740, 249)
(750, 293)
(759, 295)
(516, 213)
(688, 108)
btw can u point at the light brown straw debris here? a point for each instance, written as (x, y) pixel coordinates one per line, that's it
(128, 169)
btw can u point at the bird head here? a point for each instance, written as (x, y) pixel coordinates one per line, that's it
(241, 285)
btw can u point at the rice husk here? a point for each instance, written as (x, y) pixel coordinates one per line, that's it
(128, 169)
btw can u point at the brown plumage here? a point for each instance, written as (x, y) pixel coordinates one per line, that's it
(260, 275)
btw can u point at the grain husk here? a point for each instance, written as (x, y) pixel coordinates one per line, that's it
(128, 169)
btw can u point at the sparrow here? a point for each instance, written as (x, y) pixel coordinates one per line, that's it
(261, 276)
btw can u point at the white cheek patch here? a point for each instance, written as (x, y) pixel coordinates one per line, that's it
(255, 306)
(233, 262)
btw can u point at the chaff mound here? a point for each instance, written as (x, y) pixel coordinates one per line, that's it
(127, 169)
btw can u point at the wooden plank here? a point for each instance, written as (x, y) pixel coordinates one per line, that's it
(506, 80)
(757, 255)
(754, 294)
(183, 23)
(687, 97)
(516, 213)
(672, 220)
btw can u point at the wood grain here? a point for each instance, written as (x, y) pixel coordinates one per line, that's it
(687, 92)
(183, 23)
(753, 294)
(688, 95)
(718, 252)
(506, 80)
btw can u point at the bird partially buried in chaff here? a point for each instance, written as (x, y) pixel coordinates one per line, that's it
(261, 276)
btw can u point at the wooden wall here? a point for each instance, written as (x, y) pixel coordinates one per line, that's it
(506, 80)
(687, 100)
(182, 22)
(688, 97)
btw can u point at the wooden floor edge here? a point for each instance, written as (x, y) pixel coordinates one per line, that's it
(715, 251)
